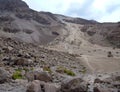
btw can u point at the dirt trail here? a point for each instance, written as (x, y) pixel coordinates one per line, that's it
(86, 62)
(101, 64)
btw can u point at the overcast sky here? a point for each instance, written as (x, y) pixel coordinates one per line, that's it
(100, 10)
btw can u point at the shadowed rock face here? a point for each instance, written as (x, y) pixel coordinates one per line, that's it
(12, 5)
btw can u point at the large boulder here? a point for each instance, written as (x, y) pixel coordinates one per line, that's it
(38, 86)
(74, 85)
(110, 84)
(23, 61)
(4, 75)
(34, 86)
(100, 89)
(39, 75)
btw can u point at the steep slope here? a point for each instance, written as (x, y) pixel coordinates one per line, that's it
(19, 22)
(36, 43)
(105, 34)
(58, 32)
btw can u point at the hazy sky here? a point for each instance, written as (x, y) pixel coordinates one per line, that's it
(100, 10)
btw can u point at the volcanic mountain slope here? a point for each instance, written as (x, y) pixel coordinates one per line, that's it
(59, 44)
(57, 32)
(20, 22)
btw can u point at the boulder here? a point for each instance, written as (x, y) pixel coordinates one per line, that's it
(34, 86)
(39, 75)
(96, 89)
(74, 85)
(98, 81)
(4, 75)
(23, 61)
(110, 54)
(38, 86)
(99, 89)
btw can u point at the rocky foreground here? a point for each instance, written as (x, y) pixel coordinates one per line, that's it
(31, 68)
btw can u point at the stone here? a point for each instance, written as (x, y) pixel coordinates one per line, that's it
(74, 85)
(98, 81)
(117, 78)
(110, 54)
(38, 75)
(96, 89)
(39, 86)
(4, 75)
(23, 62)
(99, 89)
(10, 48)
(34, 86)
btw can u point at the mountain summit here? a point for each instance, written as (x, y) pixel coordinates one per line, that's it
(13, 5)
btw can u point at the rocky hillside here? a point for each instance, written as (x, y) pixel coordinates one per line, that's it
(45, 52)
(105, 34)
(19, 22)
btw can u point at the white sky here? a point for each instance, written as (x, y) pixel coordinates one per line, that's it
(100, 10)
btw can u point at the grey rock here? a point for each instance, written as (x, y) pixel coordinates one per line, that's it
(98, 81)
(4, 75)
(99, 89)
(34, 86)
(74, 85)
(23, 62)
(39, 75)
(38, 86)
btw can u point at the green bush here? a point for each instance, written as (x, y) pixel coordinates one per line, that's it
(69, 72)
(17, 75)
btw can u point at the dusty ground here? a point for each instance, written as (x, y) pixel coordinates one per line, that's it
(93, 56)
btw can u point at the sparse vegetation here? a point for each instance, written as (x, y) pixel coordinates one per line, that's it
(47, 69)
(65, 70)
(69, 72)
(17, 75)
